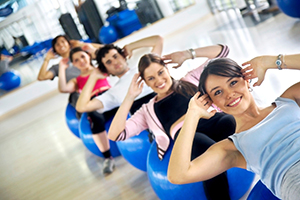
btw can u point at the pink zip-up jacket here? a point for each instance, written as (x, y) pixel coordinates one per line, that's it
(145, 117)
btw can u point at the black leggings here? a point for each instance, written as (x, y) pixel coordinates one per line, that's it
(213, 130)
(97, 120)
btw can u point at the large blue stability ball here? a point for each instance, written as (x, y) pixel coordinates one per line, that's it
(108, 34)
(261, 192)
(239, 180)
(10, 80)
(135, 150)
(87, 138)
(72, 121)
(290, 7)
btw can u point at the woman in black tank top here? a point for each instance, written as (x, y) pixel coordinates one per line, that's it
(171, 103)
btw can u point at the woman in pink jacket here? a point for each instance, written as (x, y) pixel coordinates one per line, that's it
(164, 114)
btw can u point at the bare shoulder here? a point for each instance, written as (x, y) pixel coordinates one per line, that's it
(227, 145)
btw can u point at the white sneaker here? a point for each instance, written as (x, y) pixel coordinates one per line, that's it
(108, 166)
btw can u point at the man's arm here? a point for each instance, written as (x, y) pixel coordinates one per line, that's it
(156, 42)
(89, 47)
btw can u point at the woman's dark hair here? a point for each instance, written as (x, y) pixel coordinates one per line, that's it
(179, 86)
(220, 67)
(78, 49)
(53, 42)
(101, 52)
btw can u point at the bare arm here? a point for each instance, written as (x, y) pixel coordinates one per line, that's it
(44, 74)
(217, 159)
(63, 85)
(119, 121)
(293, 93)
(257, 67)
(180, 56)
(89, 47)
(156, 42)
(84, 102)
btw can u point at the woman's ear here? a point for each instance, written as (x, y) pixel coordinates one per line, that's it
(249, 85)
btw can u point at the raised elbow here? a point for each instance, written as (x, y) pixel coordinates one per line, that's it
(61, 90)
(160, 39)
(41, 78)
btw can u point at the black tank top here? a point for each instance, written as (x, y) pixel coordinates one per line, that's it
(170, 109)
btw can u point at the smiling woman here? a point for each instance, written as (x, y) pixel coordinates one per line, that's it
(220, 82)
(165, 113)
(82, 60)
(266, 141)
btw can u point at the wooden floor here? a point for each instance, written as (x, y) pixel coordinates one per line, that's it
(41, 159)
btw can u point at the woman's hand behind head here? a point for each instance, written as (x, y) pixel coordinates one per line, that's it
(64, 63)
(200, 105)
(136, 86)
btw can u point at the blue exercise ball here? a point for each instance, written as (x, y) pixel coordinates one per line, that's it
(135, 150)
(108, 34)
(72, 121)
(87, 138)
(261, 192)
(239, 180)
(10, 80)
(290, 7)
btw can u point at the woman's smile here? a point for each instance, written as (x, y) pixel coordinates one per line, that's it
(235, 102)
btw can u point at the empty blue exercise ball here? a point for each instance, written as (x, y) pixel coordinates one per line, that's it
(135, 150)
(108, 34)
(87, 138)
(261, 192)
(72, 121)
(10, 80)
(290, 7)
(239, 180)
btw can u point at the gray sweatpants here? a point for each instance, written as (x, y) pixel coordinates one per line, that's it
(290, 186)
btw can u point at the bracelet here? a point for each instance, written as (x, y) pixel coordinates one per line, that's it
(284, 65)
(193, 53)
(279, 62)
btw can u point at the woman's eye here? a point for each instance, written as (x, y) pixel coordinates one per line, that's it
(160, 72)
(217, 92)
(233, 83)
(150, 79)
